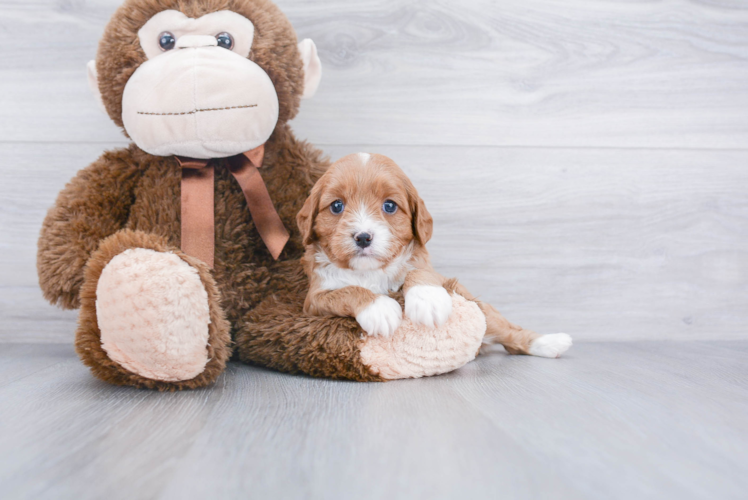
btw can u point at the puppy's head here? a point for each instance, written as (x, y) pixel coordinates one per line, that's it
(363, 212)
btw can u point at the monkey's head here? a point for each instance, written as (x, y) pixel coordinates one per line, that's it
(202, 78)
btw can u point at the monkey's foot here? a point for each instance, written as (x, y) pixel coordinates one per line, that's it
(416, 350)
(153, 314)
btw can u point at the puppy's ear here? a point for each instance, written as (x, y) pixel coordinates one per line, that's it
(423, 223)
(305, 218)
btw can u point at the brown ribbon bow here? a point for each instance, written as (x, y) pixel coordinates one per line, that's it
(198, 221)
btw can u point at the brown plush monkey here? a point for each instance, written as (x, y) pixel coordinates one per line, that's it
(168, 246)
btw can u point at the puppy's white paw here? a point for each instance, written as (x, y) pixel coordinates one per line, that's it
(381, 317)
(428, 305)
(550, 346)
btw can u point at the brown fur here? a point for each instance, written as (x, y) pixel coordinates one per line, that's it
(274, 48)
(368, 186)
(88, 337)
(347, 301)
(361, 187)
(278, 334)
(128, 198)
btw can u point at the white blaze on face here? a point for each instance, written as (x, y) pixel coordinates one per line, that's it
(198, 99)
(363, 221)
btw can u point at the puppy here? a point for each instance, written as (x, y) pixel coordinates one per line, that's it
(365, 231)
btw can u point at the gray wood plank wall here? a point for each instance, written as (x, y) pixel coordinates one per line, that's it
(586, 161)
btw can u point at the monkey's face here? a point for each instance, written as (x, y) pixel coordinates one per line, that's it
(198, 93)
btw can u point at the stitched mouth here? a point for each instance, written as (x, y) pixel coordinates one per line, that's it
(195, 111)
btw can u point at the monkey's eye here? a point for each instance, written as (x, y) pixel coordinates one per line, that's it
(337, 207)
(167, 41)
(389, 207)
(225, 40)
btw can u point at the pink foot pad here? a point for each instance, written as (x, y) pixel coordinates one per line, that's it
(153, 315)
(420, 351)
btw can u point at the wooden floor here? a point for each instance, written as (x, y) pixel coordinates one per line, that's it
(635, 420)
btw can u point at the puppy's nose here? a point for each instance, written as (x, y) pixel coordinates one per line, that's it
(363, 240)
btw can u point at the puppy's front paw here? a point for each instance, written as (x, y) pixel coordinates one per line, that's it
(550, 346)
(428, 305)
(381, 317)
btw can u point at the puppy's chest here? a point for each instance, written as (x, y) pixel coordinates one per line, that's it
(381, 281)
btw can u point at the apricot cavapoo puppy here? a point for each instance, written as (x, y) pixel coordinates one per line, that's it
(365, 230)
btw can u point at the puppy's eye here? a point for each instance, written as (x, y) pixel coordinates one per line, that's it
(389, 207)
(225, 40)
(337, 207)
(167, 41)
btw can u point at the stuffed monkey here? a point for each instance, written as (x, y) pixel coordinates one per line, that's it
(182, 247)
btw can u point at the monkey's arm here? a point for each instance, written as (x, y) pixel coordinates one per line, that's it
(94, 205)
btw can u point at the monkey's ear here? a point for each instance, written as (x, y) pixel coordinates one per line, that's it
(312, 67)
(93, 84)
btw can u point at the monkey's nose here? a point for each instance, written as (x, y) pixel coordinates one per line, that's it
(363, 240)
(196, 41)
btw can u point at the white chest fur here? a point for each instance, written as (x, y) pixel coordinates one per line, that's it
(382, 281)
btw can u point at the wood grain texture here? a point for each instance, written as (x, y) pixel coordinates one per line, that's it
(478, 72)
(617, 421)
(27, 317)
(597, 243)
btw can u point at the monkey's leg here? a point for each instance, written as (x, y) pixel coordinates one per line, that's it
(150, 316)
(278, 334)
(514, 338)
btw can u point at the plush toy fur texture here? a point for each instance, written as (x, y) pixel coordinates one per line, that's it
(274, 48)
(335, 347)
(128, 199)
(414, 351)
(141, 290)
(88, 341)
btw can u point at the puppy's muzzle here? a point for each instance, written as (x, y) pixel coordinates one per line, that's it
(363, 240)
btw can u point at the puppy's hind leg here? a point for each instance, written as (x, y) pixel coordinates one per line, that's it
(514, 338)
